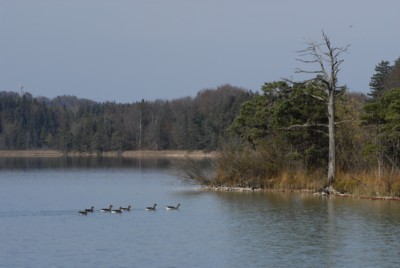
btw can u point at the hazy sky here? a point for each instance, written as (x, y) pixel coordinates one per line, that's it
(128, 50)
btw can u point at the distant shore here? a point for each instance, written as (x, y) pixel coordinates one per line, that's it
(128, 154)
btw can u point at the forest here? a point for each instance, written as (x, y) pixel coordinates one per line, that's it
(67, 123)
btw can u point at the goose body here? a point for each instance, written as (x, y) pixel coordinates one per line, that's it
(126, 209)
(117, 211)
(106, 209)
(90, 209)
(172, 207)
(152, 208)
(83, 212)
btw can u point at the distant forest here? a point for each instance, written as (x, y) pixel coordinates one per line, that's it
(67, 123)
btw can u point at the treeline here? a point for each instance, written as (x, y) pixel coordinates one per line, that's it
(67, 123)
(280, 138)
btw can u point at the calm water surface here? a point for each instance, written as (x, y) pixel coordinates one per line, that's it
(40, 225)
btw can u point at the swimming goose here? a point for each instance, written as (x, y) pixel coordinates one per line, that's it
(172, 207)
(152, 208)
(83, 212)
(90, 209)
(114, 211)
(106, 209)
(126, 209)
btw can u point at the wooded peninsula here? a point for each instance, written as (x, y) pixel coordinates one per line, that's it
(278, 138)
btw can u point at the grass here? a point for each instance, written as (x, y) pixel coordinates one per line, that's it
(369, 183)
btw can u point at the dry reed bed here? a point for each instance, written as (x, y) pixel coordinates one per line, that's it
(358, 185)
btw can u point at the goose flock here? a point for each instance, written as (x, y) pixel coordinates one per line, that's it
(122, 209)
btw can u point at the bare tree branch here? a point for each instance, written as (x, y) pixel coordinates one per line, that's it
(303, 126)
(302, 83)
(328, 61)
(321, 132)
(345, 121)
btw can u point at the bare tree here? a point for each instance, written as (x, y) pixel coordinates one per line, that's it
(328, 60)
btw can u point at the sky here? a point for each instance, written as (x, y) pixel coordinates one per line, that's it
(129, 50)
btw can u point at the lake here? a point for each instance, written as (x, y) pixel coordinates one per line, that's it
(41, 226)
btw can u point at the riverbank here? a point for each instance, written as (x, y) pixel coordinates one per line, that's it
(301, 191)
(127, 154)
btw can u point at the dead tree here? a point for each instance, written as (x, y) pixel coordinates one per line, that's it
(328, 60)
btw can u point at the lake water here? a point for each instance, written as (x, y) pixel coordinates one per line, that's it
(40, 225)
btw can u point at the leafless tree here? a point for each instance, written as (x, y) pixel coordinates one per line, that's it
(327, 58)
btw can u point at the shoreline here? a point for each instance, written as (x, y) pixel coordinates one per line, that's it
(126, 154)
(300, 191)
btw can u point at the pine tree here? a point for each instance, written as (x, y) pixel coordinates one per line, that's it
(382, 70)
(392, 80)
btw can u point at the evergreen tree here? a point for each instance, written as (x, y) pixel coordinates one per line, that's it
(392, 80)
(382, 70)
(290, 114)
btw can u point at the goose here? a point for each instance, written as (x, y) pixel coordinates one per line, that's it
(106, 209)
(83, 212)
(119, 211)
(152, 208)
(126, 209)
(90, 209)
(172, 207)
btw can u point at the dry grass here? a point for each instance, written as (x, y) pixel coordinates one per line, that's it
(361, 184)
(369, 184)
(364, 184)
(299, 180)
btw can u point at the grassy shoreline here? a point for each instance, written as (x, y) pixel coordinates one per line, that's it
(299, 191)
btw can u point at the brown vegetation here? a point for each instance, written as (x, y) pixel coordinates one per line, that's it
(238, 174)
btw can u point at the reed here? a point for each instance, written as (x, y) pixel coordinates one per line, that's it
(369, 183)
(299, 179)
(258, 169)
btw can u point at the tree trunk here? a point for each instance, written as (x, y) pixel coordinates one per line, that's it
(329, 63)
(332, 137)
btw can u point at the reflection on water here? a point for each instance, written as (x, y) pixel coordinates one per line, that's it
(338, 232)
(23, 163)
(83, 162)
